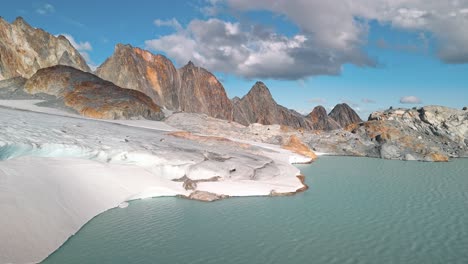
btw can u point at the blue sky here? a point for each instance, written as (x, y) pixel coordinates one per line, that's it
(371, 58)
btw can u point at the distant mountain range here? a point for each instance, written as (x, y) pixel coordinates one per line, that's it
(192, 89)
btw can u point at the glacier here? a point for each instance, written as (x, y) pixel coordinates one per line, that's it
(59, 170)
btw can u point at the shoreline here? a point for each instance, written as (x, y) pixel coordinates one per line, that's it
(64, 171)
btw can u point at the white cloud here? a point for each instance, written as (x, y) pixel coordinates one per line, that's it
(83, 48)
(410, 100)
(252, 51)
(45, 9)
(336, 30)
(80, 46)
(168, 23)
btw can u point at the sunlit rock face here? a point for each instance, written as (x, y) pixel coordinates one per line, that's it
(91, 96)
(321, 121)
(431, 133)
(190, 89)
(201, 92)
(25, 49)
(258, 106)
(138, 69)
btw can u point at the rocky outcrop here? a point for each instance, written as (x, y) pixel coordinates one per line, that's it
(294, 144)
(190, 89)
(431, 133)
(258, 106)
(138, 69)
(201, 92)
(24, 50)
(344, 115)
(91, 96)
(321, 121)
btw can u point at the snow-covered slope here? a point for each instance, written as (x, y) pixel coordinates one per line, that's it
(58, 172)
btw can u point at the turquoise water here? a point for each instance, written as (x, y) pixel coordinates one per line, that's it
(357, 210)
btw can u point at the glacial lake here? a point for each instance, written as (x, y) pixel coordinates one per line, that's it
(357, 210)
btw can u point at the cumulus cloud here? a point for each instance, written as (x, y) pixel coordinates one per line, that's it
(410, 100)
(252, 51)
(331, 33)
(45, 9)
(168, 23)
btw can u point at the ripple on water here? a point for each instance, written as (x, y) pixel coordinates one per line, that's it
(356, 211)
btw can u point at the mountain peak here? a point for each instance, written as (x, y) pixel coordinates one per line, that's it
(19, 21)
(320, 120)
(344, 115)
(260, 89)
(121, 46)
(190, 64)
(28, 49)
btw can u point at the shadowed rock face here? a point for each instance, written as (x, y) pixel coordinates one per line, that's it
(258, 106)
(344, 115)
(138, 69)
(201, 92)
(321, 121)
(24, 50)
(91, 96)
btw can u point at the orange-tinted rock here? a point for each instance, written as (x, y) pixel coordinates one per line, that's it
(321, 121)
(297, 146)
(24, 50)
(91, 96)
(138, 69)
(201, 92)
(438, 157)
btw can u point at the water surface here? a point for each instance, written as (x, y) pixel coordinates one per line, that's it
(357, 210)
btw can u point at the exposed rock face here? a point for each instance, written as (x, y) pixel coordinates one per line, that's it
(258, 106)
(429, 134)
(432, 133)
(296, 145)
(321, 121)
(91, 96)
(190, 89)
(24, 50)
(201, 92)
(344, 115)
(137, 69)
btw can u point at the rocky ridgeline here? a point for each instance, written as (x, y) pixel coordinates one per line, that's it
(258, 106)
(81, 92)
(188, 89)
(25, 49)
(321, 121)
(431, 133)
(192, 89)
